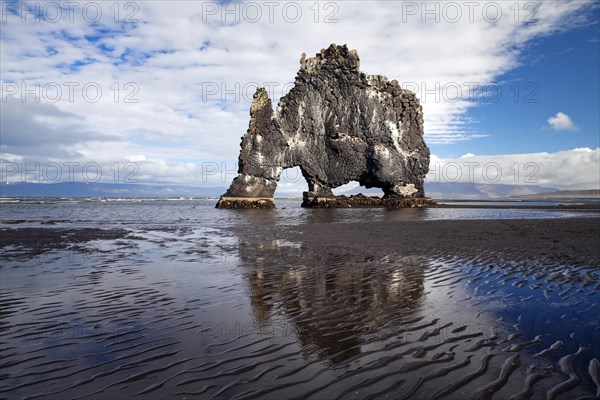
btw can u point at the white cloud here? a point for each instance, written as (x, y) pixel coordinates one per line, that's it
(570, 169)
(154, 74)
(136, 158)
(562, 122)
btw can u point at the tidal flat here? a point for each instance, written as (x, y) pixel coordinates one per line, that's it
(173, 299)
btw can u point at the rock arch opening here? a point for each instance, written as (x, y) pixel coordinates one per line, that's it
(355, 188)
(291, 183)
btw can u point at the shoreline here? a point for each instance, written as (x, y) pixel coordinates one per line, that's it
(576, 206)
(571, 238)
(568, 240)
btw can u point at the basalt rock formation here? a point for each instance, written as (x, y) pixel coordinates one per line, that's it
(338, 125)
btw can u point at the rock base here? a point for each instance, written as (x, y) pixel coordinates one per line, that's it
(362, 201)
(309, 200)
(406, 202)
(245, 202)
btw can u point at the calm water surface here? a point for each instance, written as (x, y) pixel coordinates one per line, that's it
(182, 307)
(201, 212)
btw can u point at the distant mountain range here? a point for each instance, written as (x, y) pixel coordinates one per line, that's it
(445, 190)
(436, 190)
(466, 191)
(566, 194)
(82, 189)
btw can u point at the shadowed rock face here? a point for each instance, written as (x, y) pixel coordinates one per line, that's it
(338, 125)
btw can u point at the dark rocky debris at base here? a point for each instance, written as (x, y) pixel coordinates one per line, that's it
(360, 200)
(240, 202)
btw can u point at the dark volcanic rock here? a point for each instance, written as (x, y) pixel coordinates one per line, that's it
(237, 202)
(338, 125)
(360, 200)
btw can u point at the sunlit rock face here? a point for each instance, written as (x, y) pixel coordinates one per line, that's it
(338, 125)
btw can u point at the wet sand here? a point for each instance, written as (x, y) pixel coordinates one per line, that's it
(567, 239)
(477, 309)
(499, 205)
(557, 240)
(27, 242)
(540, 276)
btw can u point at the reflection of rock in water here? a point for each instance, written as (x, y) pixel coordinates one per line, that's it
(334, 298)
(492, 324)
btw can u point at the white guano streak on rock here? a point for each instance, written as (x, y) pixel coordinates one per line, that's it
(382, 151)
(405, 190)
(396, 135)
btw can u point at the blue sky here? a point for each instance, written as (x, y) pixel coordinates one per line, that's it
(558, 73)
(168, 85)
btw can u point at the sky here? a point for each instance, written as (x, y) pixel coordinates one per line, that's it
(159, 91)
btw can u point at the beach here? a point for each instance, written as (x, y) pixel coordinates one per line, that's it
(193, 302)
(570, 240)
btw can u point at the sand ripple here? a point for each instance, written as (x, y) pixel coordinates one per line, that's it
(199, 312)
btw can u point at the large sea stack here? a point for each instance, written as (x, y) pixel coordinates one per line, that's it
(338, 125)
